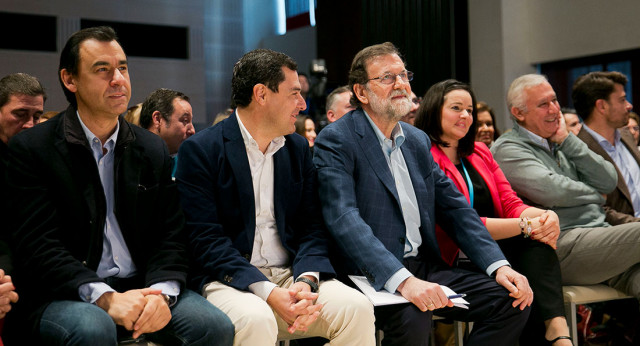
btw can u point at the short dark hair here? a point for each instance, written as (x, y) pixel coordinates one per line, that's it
(20, 84)
(160, 100)
(259, 66)
(429, 115)
(484, 107)
(331, 99)
(358, 72)
(70, 55)
(592, 87)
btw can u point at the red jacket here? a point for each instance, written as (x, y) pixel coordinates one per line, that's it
(506, 204)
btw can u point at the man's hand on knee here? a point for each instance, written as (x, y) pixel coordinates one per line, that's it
(125, 308)
(155, 316)
(291, 304)
(517, 284)
(424, 294)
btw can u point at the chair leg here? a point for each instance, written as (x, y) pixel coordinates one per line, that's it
(459, 332)
(571, 313)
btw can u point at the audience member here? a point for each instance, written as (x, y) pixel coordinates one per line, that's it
(633, 126)
(97, 224)
(306, 128)
(222, 115)
(22, 98)
(338, 103)
(47, 115)
(256, 233)
(526, 235)
(550, 167)
(168, 114)
(21, 103)
(381, 193)
(133, 114)
(600, 100)
(573, 121)
(305, 86)
(410, 118)
(486, 130)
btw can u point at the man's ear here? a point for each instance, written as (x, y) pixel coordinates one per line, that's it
(156, 117)
(260, 93)
(68, 80)
(601, 106)
(517, 113)
(359, 91)
(330, 115)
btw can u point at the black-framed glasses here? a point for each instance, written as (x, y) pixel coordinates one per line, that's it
(390, 78)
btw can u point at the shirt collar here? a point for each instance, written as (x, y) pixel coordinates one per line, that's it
(111, 141)
(543, 142)
(249, 142)
(397, 135)
(601, 140)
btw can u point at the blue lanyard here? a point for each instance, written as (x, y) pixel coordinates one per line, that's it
(469, 184)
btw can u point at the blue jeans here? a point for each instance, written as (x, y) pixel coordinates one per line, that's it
(194, 321)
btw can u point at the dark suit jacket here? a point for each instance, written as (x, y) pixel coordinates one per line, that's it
(5, 253)
(216, 191)
(618, 207)
(60, 209)
(362, 209)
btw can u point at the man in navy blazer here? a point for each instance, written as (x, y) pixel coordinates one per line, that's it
(258, 243)
(381, 205)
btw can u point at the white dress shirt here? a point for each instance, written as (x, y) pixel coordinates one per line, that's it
(268, 250)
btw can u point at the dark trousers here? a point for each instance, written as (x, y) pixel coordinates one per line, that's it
(497, 322)
(539, 263)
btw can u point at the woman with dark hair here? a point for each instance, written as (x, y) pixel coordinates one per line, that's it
(486, 130)
(526, 235)
(306, 128)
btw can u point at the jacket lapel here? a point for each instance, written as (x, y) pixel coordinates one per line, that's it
(236, 153)
(373, 152)
(281, 172)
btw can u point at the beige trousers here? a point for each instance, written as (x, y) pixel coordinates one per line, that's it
(346, 317)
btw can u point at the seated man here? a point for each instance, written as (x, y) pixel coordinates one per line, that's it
(601, 101)
(97, 228)
(338, 103)
(248, 187)
(21, 105)
(381, 193)
(167, 113)
(550, 167)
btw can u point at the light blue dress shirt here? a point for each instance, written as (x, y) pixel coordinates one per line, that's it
(116, 259)
(625, 162)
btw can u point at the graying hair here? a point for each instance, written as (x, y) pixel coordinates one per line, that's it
(516, 96)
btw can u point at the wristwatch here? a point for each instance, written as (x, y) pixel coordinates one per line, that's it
(313, 285)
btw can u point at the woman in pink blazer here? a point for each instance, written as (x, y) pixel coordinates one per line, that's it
(527, 235)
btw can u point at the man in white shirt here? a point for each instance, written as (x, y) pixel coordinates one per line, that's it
(248, 187)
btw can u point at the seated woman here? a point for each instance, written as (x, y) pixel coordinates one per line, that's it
(526, 235)
(486, 132)
(306, 128)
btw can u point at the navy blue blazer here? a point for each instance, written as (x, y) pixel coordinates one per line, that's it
(361, 206)
(216, 191)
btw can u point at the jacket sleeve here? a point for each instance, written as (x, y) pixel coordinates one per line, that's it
(35, 228)
(210, 244)
(312, 254)
(582, 177)
(334, 158)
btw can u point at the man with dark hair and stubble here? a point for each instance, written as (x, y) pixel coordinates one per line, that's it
(381, 194)
(248, 186)
(97, 228)
(168, 114)
(600, 99)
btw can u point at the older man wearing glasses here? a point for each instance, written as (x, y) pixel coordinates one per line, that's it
(381, 193)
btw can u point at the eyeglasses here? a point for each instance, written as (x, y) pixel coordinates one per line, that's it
(634, 128)
(390, 78)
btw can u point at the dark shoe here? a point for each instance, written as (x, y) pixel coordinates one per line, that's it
(551, 342)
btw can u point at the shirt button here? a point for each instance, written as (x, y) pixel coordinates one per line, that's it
(116, 258)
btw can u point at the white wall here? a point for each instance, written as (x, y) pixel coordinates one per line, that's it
(509, 37)
(147, 74)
